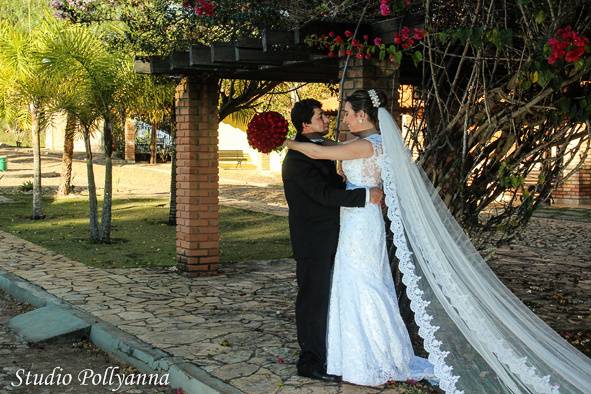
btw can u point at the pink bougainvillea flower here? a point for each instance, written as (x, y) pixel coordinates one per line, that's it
(385, 9)
(204, 7)
(397, 39)
(331, 34)
(365, 37)
(419, 34)
(377, 41)
(574, 54)
(359, 55)
(405, 33)
(566, 44)
(348, 33)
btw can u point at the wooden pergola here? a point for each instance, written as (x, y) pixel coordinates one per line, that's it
(276, 56)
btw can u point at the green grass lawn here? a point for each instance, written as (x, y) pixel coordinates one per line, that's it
(141, 237)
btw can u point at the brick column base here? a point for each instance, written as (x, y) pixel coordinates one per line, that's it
(197, 229)
(576, 190)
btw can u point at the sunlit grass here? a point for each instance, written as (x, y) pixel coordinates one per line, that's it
(141, 236)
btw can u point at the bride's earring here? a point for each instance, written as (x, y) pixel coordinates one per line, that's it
(359, 120)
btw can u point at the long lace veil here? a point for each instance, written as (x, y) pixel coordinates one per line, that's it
(480, 337)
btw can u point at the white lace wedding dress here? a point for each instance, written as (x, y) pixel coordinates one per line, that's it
(367, 342)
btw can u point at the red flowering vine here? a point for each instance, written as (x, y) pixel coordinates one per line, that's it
(566, 45)
(407, 38)
(267, 131)
(365, 48)
(385, 9)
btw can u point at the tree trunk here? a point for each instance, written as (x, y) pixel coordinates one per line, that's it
(36, 141)
(108, 196)
(92, 203)
(172, 210)
(65, 186)
(153, 144)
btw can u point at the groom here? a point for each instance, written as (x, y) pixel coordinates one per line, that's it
(315, 193)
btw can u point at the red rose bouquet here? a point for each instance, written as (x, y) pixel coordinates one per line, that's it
(267, 131)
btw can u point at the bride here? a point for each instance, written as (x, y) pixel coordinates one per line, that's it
(480, 337)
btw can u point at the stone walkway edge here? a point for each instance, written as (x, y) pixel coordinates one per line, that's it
(122, 346)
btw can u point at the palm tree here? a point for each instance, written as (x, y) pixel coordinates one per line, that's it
(155, 103)
(66, 176)
(25, 87)
(88, 73)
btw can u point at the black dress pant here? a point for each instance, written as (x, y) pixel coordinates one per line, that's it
(314, 278)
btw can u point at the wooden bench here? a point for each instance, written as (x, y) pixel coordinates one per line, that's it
(237, 156)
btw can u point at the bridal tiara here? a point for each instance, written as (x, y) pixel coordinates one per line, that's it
(374, 98)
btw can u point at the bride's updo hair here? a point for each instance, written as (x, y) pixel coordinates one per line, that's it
(361, 100)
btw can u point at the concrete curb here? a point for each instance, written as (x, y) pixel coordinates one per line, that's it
(121, 345)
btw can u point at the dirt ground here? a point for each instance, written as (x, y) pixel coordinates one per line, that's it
(139, 179)
(72, 355)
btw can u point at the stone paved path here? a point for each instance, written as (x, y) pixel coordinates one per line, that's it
(238, 326)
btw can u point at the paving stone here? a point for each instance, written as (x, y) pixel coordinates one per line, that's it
(263, 381)
(231, 371)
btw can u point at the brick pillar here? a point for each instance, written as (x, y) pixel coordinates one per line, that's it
(197, 229)
(372, 74)
(130, 131)
(576, 190)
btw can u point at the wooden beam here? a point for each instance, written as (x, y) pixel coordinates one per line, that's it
(253, 43)
(200, 55)
(270, 58)
(142, 66)
(179, 60)
(223, 53)
(257, 56)
(159, 65)
(278, 39)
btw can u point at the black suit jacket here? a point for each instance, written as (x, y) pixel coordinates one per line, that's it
(315, 193)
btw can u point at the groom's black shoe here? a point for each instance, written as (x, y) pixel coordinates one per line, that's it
(318, 375)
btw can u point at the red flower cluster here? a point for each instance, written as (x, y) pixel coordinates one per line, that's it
(567, 45)
(385, 7)
(267, 131)
(204, 7)
(407, 38)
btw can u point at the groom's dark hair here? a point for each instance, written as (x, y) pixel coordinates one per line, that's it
(302, 112)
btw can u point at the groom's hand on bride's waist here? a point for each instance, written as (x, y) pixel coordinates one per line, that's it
(376, 195)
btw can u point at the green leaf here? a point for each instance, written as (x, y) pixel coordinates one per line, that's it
(534, 77)
(398, 57)
(540, 17)
(417, 57)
